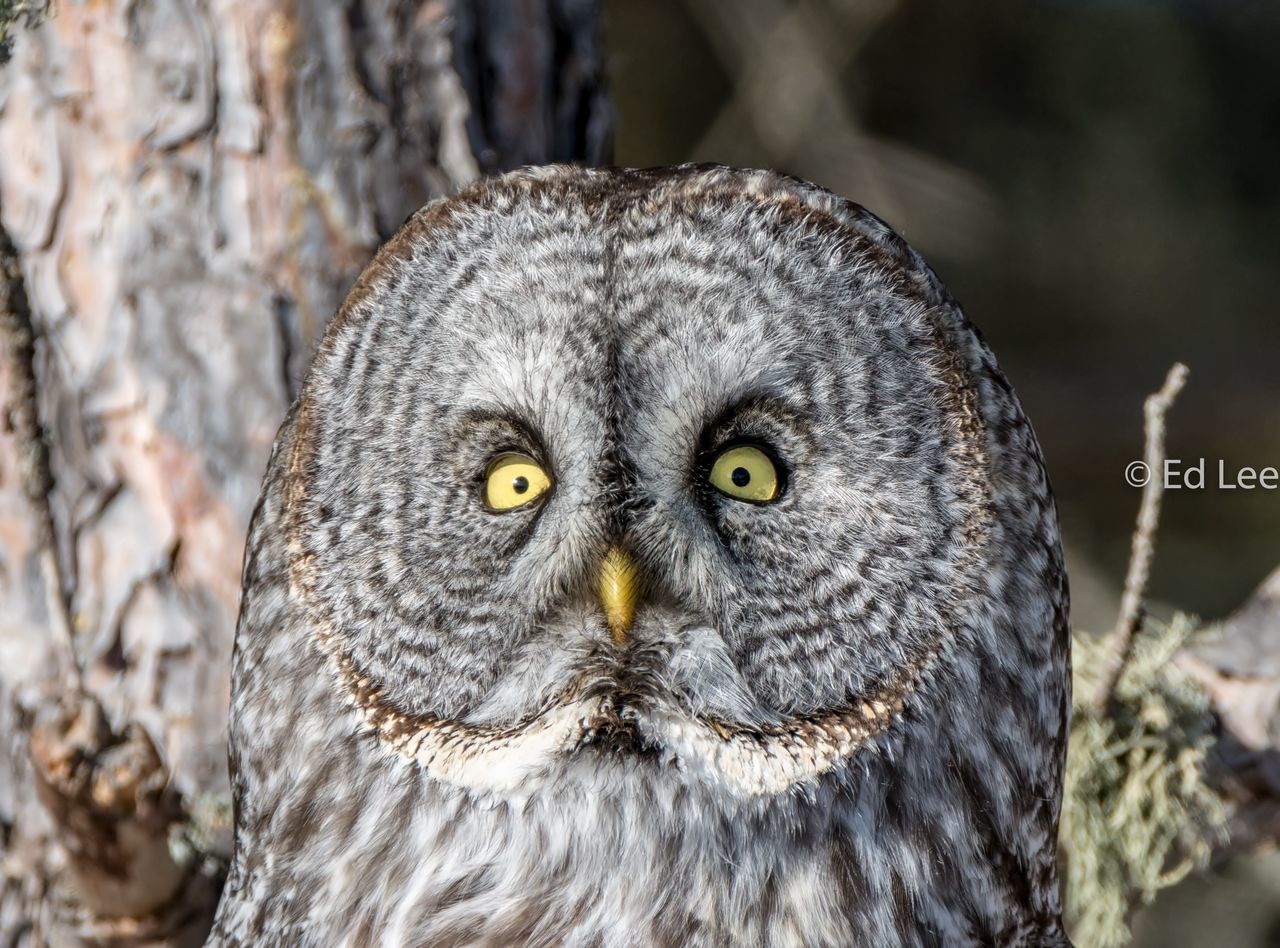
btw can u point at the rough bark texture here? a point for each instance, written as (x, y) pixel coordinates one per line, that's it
(190, 186)
(1239, 668)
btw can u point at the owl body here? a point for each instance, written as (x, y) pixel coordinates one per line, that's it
(835, 711)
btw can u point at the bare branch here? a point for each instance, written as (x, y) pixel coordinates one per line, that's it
(1143, 551)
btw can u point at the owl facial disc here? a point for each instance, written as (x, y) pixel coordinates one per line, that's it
(610, 494)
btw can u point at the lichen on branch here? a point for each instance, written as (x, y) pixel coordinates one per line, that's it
(1138, 812)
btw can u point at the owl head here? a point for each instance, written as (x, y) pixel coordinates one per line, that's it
(694, 472)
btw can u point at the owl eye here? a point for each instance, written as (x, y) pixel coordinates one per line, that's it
(745, 473)
(514, 480)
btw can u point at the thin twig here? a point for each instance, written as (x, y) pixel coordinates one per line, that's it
(1132, 604)
(18, 339)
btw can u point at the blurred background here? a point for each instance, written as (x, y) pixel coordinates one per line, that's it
(1098, 182)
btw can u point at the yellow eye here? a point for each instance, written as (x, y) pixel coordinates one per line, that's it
(746, 473)
(514, 480)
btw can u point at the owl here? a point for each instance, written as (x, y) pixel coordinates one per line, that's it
(651, 557)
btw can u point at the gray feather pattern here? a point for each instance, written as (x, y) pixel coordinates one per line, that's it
(840, 718)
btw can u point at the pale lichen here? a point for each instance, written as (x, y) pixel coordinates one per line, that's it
(1138, 812)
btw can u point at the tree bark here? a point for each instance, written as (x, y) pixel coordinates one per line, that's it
(1238, 665)
(190, 187)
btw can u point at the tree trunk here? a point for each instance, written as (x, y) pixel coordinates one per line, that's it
(189, 188)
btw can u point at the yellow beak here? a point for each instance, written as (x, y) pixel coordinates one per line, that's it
(618, 586)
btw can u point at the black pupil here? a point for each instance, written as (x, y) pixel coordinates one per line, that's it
(740, 476)
(520, 484)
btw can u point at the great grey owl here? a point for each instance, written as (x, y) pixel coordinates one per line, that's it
(650, 558)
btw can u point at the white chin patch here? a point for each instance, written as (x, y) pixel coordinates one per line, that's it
(746, 762)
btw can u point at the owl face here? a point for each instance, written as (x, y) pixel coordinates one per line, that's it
(682, 471)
